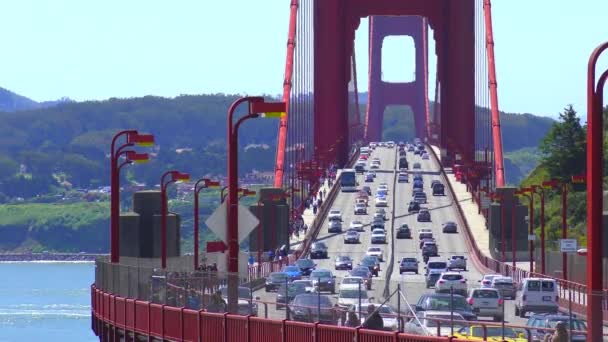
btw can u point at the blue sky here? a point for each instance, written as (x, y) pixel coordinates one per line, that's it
(100, 49)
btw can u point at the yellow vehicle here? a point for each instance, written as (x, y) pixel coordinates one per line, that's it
(493, 333)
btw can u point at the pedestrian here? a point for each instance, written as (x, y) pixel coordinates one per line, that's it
(321, 195)
(314, 208)
(217, 303)
(251, 260)
(339, 315)
(320, 202)
(374, 320)
(270, 255)
(559, 335)
(352, 319)
(305, 228)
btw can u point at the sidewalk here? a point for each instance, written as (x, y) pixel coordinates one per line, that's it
(476, 221)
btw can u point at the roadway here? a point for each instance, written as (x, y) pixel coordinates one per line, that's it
(442, 210)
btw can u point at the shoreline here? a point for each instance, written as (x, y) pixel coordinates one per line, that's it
(49, 257)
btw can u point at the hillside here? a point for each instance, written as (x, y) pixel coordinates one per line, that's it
(11, 102)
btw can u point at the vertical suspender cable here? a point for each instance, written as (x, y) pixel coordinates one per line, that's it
(282, 141)
(496, 131)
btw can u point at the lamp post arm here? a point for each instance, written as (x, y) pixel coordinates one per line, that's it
(118, 135)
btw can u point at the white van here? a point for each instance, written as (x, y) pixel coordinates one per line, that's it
(537, 295)
(436, 265)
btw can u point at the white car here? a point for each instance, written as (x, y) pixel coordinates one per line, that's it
(356, 225)
(307, 284)
(360, 208)
(375, 251)
(383, 186)
(352, 280)
(335, 214)
(486, 281)
(351, 294)
(425, 156)
(426, 323)
(381, 202)
(378, 236)
(451, 280)
(351, 236)
(374, 166)
(403, 178)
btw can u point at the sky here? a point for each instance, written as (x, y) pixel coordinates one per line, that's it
(92, 50)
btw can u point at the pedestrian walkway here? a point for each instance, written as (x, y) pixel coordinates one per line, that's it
(309, 217)
(476, 221)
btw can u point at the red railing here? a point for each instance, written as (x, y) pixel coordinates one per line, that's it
(579, 296)
(114, 316)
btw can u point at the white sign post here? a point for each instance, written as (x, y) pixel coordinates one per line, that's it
(218, 224)
(568, 245)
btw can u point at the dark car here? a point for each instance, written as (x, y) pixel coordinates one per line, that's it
(430, 279)
(402, 153)
(428, 238)
(433, 182)
(403, 163)
(306, 266)
(413, 207)
(287, 292)
(363, 272)
(367, 189)
(408, 265)
(420, 197)
(372, 264)
(441, 302)
(418, 177)
(274, 280)
(377, 223)
(430, 249)
(548, 321)
(417, 184)
(318, 250)
(359, 168)
(450, 227)
(312, 308)
(438, 190)
(404, 232)
(323, 280)
(424, 216)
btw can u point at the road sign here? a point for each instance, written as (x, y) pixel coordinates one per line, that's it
(568, 245)
(531, 237)
(218, 224)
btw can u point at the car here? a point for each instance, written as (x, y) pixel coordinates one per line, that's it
(352, 280)
(360, 208)
(431, 279)
(389, 316)
(343, 262)
(335, 214)
(442, 302)
(306, 266)
(367, 189)
(356, 225)
(287, 292)
(436, 265)
(438, 189)
(364, 273)
(413, 207)
(506, 286)
(457, 262)
(351, 294)
(427, 238)
(404, 232)
(429, 322)
(402, 153)
(381, 213)
(403, 178)
(420, 197)
(293, 272)
(335, 226)
(425, 156)
(274, 280)
(299, 310)
(382, 188)
(449, 227)
(418, 184)
(487, 303)
(369, 177)
(429, 248)
(381, 202)
(361, 201)
(376, 160)
(360, 166)
(490, 333)
(372, 264)
(318, 250)
(323, 280)
(374, 166)
(411, 148)
(377, 223)
(246, 305)
(435, 181)
(378, 236)
(375, 251)
(417, 152)
(418, 177)
(403, 164)
(543, 321)
(307, 284)
(351, 236)
(486, 280)
(451, 281)
(408, 264)
(537, 295)
(423, 216)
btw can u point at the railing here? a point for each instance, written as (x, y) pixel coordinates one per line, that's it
(572, 293)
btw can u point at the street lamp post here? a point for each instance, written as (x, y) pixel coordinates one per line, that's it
(239, 191)
(500, 198)
(257, 108)
(541, 192)
(528, 192)
(513, 229)
(200, 184)
(176, 176)
(554, 183)
(133, 137)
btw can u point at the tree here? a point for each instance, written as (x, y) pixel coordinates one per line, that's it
(564, 147)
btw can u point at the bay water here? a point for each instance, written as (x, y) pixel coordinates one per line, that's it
(46, 301)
